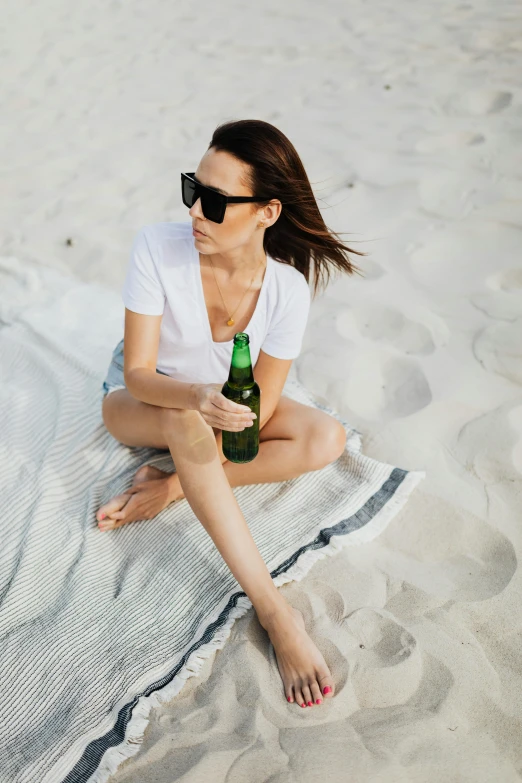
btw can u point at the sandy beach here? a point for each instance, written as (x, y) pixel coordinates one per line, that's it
(408, 119)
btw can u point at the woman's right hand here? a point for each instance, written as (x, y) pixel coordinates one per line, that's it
(219, 411)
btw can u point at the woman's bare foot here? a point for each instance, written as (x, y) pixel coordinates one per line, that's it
(152, 490)
(302, 668)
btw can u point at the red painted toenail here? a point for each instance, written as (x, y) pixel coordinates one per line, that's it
(288, 698)
(303, 705)
(310, 704)
(327, 689)
(318, 701)
(102, 516)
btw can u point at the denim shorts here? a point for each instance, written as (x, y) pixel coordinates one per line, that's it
(114, 378)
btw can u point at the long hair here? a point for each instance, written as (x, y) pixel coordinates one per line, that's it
(299, 236)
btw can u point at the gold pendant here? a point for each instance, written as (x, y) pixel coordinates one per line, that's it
(230, 322)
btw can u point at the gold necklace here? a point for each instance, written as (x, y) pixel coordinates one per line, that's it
(231, 321)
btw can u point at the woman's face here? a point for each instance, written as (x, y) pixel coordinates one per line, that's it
(220, 170)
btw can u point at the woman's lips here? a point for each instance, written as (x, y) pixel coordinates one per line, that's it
(198, 233)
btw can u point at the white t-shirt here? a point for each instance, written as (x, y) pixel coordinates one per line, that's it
(164, 278)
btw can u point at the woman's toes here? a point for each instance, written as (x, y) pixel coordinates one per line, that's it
(119, 515)
(290, 694)
(326, 684)
(114, 504)
(299, 698)
(307, 696)
(316, 692)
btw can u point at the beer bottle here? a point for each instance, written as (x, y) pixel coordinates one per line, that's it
(243, 445)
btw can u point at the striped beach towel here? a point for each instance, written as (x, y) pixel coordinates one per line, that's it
(98, 628)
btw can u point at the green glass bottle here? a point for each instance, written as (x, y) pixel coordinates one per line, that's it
(242, 445)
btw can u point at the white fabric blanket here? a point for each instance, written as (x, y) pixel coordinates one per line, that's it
(97, 628)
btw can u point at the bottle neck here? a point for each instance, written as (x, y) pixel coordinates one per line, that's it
(241, 374)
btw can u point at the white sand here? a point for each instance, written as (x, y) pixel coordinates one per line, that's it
(105, 105)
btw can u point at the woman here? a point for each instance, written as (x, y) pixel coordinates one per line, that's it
(241, 264)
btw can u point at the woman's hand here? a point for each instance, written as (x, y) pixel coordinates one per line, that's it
(219, 411)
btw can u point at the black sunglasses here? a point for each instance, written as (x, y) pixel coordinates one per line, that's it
(213, 203)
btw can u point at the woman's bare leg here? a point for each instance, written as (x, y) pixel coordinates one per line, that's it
(193, 447)
(276, 460)
(295, 440)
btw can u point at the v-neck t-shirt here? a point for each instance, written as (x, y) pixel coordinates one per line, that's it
(164, 278)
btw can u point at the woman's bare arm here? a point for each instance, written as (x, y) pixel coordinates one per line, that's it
(140, 354)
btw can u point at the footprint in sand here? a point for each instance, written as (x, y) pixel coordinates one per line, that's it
(504, 299)
(490, 445)
(387, 325)
(371, 269)
(449, 141)
(455, 259)
(381, 387)
(452, 194)
(507, 280)
(443, 548)
(370, 381)
(465, 560)
(498, 348)
(387, 664)
(373, 656)
(478, 102)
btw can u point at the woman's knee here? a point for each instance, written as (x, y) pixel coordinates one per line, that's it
(325, 443)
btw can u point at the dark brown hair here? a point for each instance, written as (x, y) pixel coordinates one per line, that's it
(300, 234)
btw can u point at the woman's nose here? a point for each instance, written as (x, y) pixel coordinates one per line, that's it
(195, 210)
